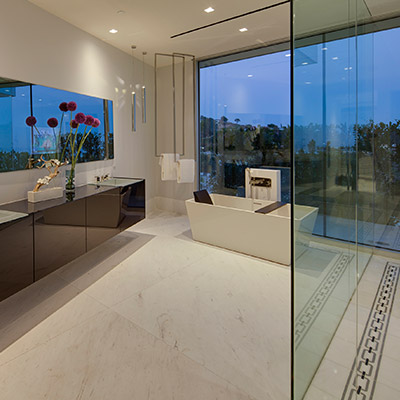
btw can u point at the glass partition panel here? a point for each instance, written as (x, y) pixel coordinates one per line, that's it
(325, 179)
(346, 135)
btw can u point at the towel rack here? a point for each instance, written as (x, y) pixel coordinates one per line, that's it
(183, 57)
(194, 98)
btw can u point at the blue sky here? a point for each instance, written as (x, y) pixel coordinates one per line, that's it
(257, 90)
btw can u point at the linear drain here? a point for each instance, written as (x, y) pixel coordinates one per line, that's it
(364, 373)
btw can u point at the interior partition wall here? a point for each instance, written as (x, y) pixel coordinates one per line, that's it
(333, 172)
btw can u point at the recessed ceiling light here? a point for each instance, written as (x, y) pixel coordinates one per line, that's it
(209, 10)
(324, 48)
(308, 83)
(305, 63)
(287, 55)
(113, 30)
(335, 58)
(243, 29)
(249, 76)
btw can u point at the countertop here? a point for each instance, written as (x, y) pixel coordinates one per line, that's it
(25, 207)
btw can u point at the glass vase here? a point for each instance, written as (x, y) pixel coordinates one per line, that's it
(70, 180)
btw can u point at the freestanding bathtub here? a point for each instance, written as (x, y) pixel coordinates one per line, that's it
(231, 223)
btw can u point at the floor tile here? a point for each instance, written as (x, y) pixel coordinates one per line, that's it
(227, 312)
(389, 372)
(155, 261)
(26, 309)
(108, 357)
(383, 392)
(74, 312)
(314, 393)
(331, 378)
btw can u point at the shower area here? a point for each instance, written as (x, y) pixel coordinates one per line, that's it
(345, 160)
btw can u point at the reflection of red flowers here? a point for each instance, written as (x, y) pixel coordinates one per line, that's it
(63, 106)
(31, 121)
(80, 118)
(96, 123)
(71, 106)
(89, 120)
(52, 122)
(74, 124)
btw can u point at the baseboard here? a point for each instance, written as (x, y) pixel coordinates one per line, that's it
(171, 205)
(151, 205)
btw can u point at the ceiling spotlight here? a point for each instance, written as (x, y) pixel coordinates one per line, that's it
(249, 76)
(324, 48)
(305, 63)
(113, 30)
(287, 55)
(243, 29)
(335, 58)
(209, 10)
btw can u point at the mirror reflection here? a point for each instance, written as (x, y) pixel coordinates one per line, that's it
(21, 144)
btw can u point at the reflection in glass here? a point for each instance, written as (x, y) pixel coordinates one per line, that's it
(20, 145)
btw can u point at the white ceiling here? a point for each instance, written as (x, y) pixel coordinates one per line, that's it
(381, 7)
(150, 24)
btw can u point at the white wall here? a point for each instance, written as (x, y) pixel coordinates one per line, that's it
(38, 47)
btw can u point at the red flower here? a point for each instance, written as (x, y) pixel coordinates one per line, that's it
(96, 123)
(31, 121)
(71, 106)
(89, 120)
(52, 122)
(63, 106)
(74, 124)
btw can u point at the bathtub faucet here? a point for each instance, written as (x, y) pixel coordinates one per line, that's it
(260, 182)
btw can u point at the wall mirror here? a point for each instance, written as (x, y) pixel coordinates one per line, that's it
(20, 144)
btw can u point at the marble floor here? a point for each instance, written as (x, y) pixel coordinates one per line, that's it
(341, 357)
(151, 314)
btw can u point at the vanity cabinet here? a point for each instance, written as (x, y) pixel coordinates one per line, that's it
(52, 233)
(60, 236)
(16, 264)
(103, 213)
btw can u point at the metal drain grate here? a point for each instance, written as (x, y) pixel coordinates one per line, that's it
(361, 381)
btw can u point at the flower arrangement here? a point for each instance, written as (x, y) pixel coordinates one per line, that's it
(71, 140)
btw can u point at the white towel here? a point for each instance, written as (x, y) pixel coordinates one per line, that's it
(168, 166)
(185, 171)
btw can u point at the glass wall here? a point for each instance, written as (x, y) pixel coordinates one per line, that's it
(244, 118)
(345, 141)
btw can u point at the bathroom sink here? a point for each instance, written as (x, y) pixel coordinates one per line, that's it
(7, 216)
(117, 182)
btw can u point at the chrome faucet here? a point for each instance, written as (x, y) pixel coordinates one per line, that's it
(263, 182)
(101, 178)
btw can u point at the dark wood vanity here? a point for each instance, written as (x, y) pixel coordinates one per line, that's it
(41, 237)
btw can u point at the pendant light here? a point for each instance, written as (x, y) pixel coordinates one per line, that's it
(133, 92)
(144, 92)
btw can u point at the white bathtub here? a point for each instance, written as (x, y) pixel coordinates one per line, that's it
(231, 223)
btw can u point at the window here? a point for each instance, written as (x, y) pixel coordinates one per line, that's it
(244, 119)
